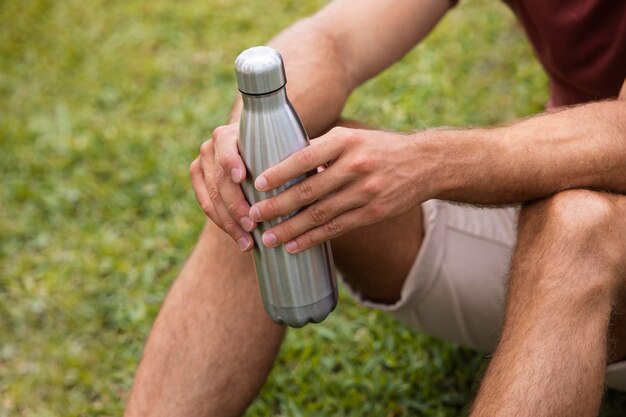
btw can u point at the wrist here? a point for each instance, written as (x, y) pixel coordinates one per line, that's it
(432, 176)
(454, 161)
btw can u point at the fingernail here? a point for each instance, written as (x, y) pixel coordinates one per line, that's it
(261, 183)
(255, 214)
(269, 239)
(235, 174)
(243, 243)
(247, 223)
(291, 246)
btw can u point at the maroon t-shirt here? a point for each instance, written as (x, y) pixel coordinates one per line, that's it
(580, 43)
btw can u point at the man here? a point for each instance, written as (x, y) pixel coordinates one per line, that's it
(402, 249)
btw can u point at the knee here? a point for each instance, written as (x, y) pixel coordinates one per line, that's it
(592, 222)
(580, 215)
(582, 230)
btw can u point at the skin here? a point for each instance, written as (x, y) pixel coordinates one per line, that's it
(581, 147)
(212, 317)
(566, 278)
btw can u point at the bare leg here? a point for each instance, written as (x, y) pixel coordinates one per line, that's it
(212, 345)
(565, 278)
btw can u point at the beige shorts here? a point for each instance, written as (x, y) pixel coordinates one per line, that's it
(456, 287)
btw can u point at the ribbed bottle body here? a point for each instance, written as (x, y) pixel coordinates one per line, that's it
(296, 289)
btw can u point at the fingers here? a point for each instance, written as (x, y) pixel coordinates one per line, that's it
(321, 151)
(235, 202)
(231, 197)
(317, 215)
(200, 189)
(346, 222)
(301, 194)
(227, 154)
(206, 181)
(229, 161)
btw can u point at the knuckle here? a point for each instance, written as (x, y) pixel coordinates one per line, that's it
(271, 208)
(285, 231)
(206, 149)
(334, 227)
(219, 177)
(306, 240)
(228, 155)
(372, 187)
(362, 164)
(230, 227)
(227, 160)
(377, 212)
(350, 139)
(317, 215)
(305, 156)
(207, 207)
(217, 132)
(214, 194)
(267, 209)
(223, 132)
(236, 207)
(337, 130)
(305, 192)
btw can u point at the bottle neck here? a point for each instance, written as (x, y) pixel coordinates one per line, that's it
(270, 101)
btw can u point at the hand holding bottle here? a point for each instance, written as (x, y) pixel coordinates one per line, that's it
(216, 175)
(372, 176)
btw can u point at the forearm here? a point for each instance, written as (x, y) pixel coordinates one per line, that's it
(581, 147)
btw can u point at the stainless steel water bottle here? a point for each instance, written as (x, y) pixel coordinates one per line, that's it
(296, 289)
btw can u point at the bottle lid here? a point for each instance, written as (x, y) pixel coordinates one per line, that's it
(260, 70)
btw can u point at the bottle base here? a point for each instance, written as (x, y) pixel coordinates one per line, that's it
(299, 316)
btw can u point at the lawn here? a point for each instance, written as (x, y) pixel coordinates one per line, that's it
(103, 104)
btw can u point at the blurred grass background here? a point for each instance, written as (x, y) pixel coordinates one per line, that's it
(103, 105)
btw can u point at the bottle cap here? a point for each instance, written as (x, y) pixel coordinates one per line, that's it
(260, 70)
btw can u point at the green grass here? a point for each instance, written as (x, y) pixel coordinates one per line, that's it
(103, 104)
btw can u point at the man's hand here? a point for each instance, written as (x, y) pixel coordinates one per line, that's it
(215, 175)
(375, 175)
(372, 175)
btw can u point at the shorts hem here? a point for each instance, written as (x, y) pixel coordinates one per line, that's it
(427, 262)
